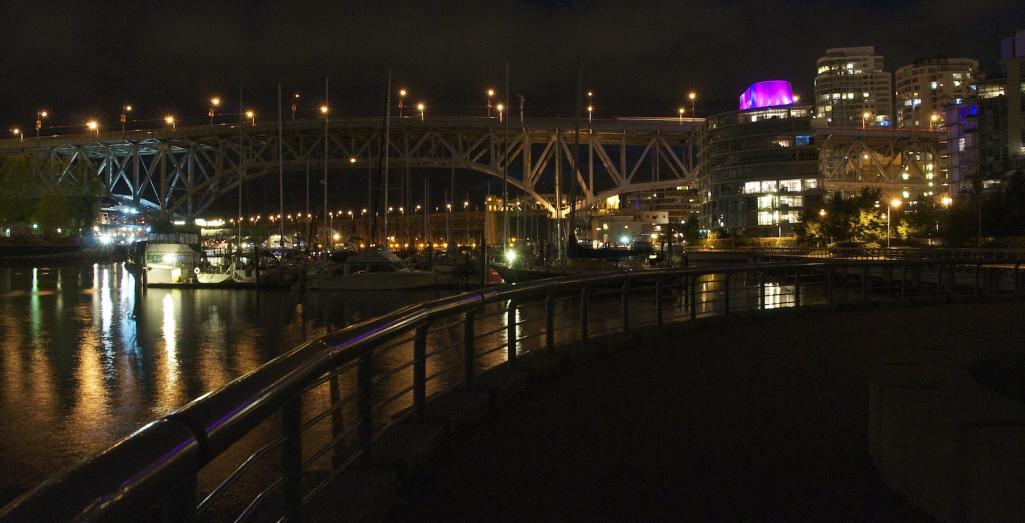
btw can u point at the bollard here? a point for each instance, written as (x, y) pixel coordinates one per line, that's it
(420, 373)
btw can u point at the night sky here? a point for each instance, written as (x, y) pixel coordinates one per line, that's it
(82, 59)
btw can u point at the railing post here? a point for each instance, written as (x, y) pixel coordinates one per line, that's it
(583, 313)
(180, 503)
(903, 277)
(550, 324)
(864, 283)
(468, 347)
(693, 288)
(625, 298)
(658, 302)
(365, 380)
(510, 333)
(291, 459)
(829, 285)
(797, 287)
(420, 373)
(337, 423)
(726, 294)
(761, 289)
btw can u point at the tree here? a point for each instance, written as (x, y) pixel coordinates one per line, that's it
(692, 230)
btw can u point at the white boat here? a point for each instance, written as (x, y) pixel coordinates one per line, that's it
(166, 259)
(368, 270)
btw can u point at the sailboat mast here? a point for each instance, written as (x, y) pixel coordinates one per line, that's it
(384, 152)
(281, 177)
(571, 229)
(505, 166)
(327, 116)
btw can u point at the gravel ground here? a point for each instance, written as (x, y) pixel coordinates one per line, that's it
(761, 419)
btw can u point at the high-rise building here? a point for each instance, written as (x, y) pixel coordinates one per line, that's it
(925, 87)
(852, 89)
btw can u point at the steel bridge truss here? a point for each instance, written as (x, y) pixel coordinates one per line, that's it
(183, 172)
(893, 161)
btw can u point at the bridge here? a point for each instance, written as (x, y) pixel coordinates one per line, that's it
(183, 171)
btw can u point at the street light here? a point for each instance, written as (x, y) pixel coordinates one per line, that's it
(501, 111)
(295, 104)
(892, 204)
(680, 111)
(490, 93)
(822, 213)
(590, 111)
(421, 107)
(692, 96)
(352, 160)
(124, 116)
(17, 132)
(864, 118)
(215, 102)
(93, 126)
(323, 110)
(933, 118)
(251, 115)
(402, 100)
(40, 115)
(169, 120)
(947, 201)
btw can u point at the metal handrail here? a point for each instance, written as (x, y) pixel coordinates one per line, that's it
(157, 466)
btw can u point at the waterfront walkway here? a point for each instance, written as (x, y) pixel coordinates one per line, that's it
(760, 419)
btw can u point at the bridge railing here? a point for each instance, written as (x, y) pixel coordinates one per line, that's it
(268, 443)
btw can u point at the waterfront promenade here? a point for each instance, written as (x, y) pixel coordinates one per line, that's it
(761, 418)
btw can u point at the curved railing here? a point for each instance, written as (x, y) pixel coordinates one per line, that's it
(270, 441)
(879, 253)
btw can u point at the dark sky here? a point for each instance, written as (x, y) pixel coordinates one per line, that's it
(82, 58)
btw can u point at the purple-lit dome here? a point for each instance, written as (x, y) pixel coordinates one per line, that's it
(767, 94)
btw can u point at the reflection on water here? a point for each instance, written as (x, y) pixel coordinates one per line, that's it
(86, 358)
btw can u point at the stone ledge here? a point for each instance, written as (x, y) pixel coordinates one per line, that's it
(951, 446)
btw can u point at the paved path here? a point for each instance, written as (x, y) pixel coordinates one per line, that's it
(758, 420)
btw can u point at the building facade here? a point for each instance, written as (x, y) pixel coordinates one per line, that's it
(852, 89)
(760, 171)
(926, 87)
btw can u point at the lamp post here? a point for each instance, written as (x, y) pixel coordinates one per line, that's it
(124, 116)
(251, 115)
(501, 112)
(169, 120)
(490, 93)
(295, 104)
(422, 108)
(93, 126)
(590, 105)
(864, 119)
(402, 100)
(692, 96)
(40, 115)
(680, 111)
(17, 132)
(892, 204)
(215, 102)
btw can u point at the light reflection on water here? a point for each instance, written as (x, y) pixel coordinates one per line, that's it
(85, 359)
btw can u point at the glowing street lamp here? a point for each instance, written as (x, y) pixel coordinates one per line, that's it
(17, 132)
(323, 110)
(692, 96)
(895, 203)
(402, 100)
(124, 116)
(40, 115)
(93, 126)
(590, 111)
(680, 111)
(169, 120)
(490, 93)
(422, 108)
(947, 201)
(822, 212)
(295, 104)
(215, 102)
(352, 160)
(864, 118)
(501, 111)
(933, 118)
(251, 115)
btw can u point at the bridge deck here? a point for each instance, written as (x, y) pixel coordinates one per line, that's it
(765, 420)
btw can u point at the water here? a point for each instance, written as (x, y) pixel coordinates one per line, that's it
(84, 361)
